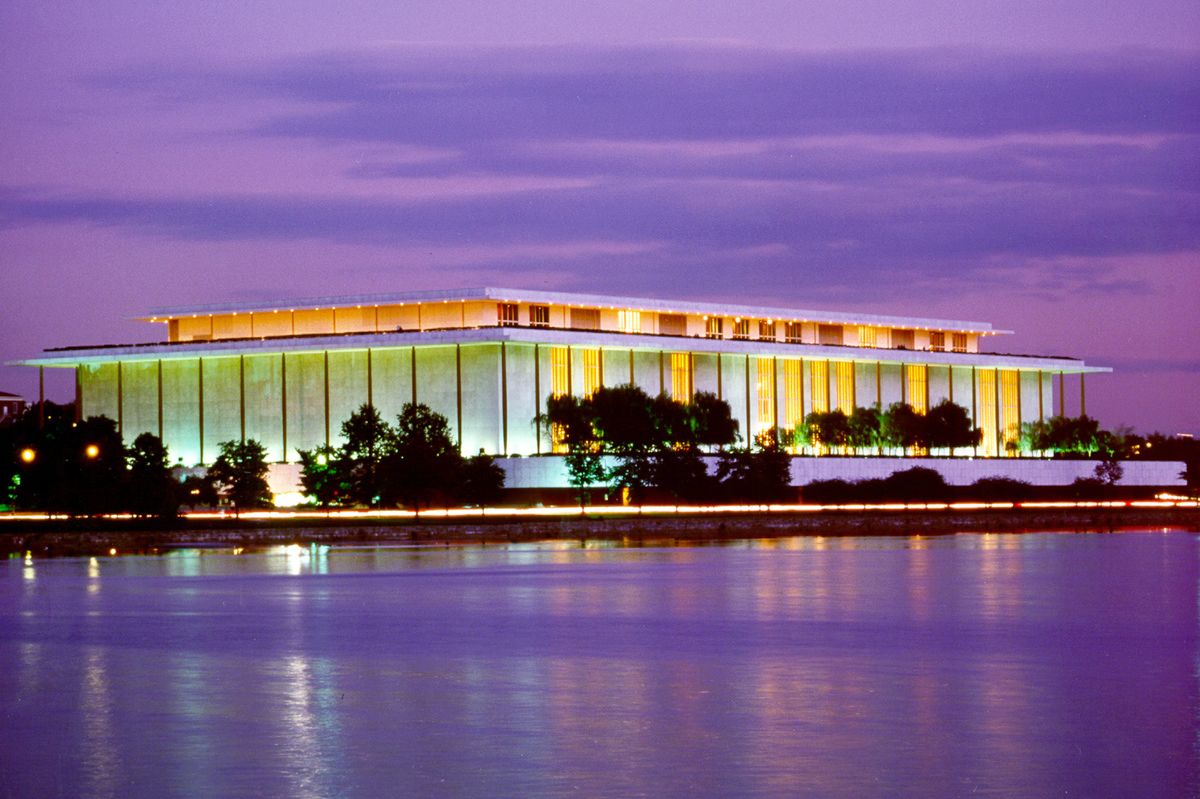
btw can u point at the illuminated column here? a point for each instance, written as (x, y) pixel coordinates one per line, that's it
(42, 399)
(950, 386)
(504, 394)
(370, 381)
(537, 392)
(662, 386)
(1041, 406)
(413, 369)
(283, 402)
(242, 390)
(1082, 396)
(879, 384)
(160, 401)
(121, 402)
(631, 366)
(749, 418)
(458, 391)
(200, 386)
(719, 392)
(1062, 393)
(326, 398)
(974, 405)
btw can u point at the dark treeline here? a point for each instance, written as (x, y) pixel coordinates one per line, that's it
(82, 468)
(413, 463)
(920, 484)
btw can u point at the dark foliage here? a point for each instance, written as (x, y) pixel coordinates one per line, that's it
(240, 474)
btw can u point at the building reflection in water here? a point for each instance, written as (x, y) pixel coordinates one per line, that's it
(836, 666)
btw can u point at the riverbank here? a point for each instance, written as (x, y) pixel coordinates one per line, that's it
(58, 538)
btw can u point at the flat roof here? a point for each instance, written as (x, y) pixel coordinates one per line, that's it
(581, 300)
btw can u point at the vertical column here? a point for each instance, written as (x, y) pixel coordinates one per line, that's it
(879, 383)
(802, 391)
(42, 397)
(458, 391)
(242, 393)
(631, 381)
(719, 392)
(661, 381)
(504, 393)
(370, 380)
(283, 401)
(200, 386)
(413, 371)
(775, 389)
(1082, 396)
(537, 396)
(120, 402)
(1062, 393)
(1041, 406)
(600, 361)
(996, 406)
(950, 383)
(160, 401)
(974, 404)
(326, 352)
(570, 371)
(749, 418)
(78, 397)
(1019, 416)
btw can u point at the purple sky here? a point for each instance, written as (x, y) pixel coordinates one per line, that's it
(1031, 164)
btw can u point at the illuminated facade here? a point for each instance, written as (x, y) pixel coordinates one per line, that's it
(288, 374)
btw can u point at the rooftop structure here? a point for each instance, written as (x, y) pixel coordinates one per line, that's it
(288, 373)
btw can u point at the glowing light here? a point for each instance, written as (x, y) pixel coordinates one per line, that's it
(92, 451)
(112, 551)
(28, 455)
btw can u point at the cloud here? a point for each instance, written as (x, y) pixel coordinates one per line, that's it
(868, 174)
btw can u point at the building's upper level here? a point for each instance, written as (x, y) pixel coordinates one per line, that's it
(493, 307)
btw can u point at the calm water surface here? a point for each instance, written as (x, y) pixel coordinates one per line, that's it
(968, 665)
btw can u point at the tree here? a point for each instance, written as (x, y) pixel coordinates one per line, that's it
(713, 421)
(323, 476)
(683, 473)
(423, 462)
(240, 473)
(758, 474)
(368, 440)
(829, 428)
(585, 468)
(151, 490)
(1109, 471)
(949, 425)
(902, 426)
(865, 428)
(482, 481)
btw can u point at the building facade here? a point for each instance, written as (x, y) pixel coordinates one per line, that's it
(288, 374)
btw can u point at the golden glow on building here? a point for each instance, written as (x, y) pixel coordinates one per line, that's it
(1010, 407)
(681, 376)
(917, 384)
(592, 379)
(766, 393)
(867, 336)
(560, 371)
(629, 321)
(793, 393)
(987, 410)
(818, 373)
(845, 387)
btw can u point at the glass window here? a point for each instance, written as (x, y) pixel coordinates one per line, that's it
(508, 313)
(539, 315)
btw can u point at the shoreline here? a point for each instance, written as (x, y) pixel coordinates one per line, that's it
(66, 538)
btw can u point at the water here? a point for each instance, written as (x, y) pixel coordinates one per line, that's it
(968, 665)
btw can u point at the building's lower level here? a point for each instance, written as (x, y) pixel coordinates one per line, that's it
(492, 382)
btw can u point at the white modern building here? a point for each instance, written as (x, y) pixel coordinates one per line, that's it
(288, 373)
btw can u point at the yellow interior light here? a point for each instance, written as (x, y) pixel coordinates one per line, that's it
(28, 455)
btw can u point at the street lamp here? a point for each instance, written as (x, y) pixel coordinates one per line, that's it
(28, 455)
(92, 451)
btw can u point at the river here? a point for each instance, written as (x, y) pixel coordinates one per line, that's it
(1005, 665)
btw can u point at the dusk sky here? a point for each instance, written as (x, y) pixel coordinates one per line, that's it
(1035, 165)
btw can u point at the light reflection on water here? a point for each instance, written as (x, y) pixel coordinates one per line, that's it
(1002, 665)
